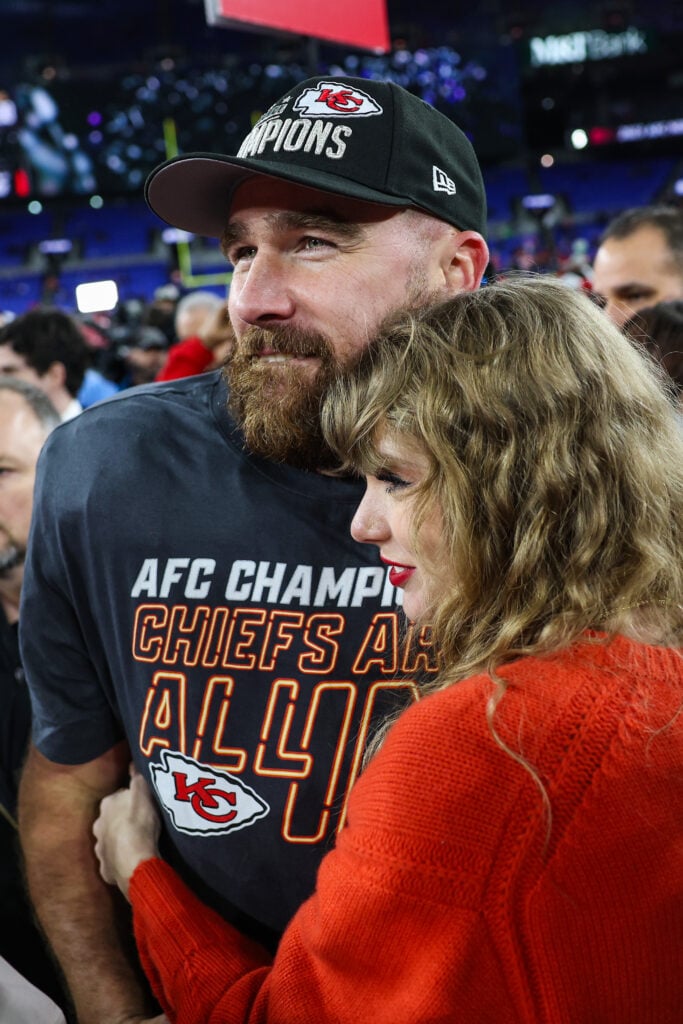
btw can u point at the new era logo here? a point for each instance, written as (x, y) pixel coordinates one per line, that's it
(441, 181)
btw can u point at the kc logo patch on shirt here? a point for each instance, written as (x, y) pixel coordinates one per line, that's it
(334, 99)
(201, 799)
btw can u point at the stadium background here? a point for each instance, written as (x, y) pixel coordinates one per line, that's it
(575, 111)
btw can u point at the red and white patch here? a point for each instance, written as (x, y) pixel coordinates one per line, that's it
(335, 99)
(201, 799)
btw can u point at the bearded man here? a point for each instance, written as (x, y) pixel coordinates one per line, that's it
(202, 606)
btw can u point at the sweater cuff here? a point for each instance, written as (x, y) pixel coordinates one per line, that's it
(170, 919)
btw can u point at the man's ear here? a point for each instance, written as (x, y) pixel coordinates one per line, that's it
(465, 261)
(55, 375)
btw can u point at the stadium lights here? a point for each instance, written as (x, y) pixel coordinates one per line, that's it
(96, 296)
(543, 201)
(579, 138)
(171, 236)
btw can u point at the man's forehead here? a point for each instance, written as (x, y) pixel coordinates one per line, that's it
(260, 195)
(9, 357)
(635, 254)
(17, 419)
(646, 241)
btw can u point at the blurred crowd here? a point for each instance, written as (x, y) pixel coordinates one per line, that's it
(79, 360)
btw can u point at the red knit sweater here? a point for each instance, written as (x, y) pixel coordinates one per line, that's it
(450, 896)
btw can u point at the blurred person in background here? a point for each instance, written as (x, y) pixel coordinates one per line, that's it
(47, 348)
(193, 311)
(204, 334)
(160, 312)
(639, 261)
(144, 355)
(26, 418)
(659, 329)
(96, 386)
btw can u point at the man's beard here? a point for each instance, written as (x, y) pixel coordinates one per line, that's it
(12, 555)
(278, 406)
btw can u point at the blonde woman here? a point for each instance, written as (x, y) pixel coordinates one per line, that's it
(513, 851)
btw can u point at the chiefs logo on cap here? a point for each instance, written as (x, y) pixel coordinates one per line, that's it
(335, 99)
(200, 799)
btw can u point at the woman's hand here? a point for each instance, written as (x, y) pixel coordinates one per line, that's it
(126, 832)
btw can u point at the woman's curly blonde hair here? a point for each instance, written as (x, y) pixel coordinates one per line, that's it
(556, 458)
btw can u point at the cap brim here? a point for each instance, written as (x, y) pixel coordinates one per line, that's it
(194, 191)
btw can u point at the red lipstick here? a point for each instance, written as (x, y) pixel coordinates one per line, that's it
(398, 574)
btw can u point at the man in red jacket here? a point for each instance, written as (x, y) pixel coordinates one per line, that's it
(204, 334)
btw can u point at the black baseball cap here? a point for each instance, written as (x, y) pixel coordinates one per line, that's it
(149, 337)
(349, 136)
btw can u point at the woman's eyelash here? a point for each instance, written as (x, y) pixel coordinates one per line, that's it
(393, 481)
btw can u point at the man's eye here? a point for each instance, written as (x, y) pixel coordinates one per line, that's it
(245, 252)
(313, 242)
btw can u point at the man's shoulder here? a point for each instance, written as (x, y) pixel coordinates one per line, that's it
(138, 411)
(194, 392)
(111, 443)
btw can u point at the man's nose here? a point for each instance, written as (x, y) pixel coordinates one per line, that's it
(264, 294)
